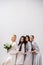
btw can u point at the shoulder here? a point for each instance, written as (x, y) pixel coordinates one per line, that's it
(14, 43)
(23, 44)
(34, 43)
(29, 44)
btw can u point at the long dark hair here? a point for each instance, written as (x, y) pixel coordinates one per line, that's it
(28, 38)
(26, 41)
(20, 43)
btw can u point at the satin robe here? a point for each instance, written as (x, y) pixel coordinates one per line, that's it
(28, 58)
(11, 60)
(37, 59)
(20, 56)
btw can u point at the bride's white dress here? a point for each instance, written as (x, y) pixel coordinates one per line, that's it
(11, 60)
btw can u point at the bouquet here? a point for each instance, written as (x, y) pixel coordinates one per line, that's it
(7, 46)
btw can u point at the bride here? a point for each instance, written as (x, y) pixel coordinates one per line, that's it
(11, 60)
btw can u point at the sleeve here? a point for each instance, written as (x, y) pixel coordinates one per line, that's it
(35, 46)
(14, 50)
(23, 49)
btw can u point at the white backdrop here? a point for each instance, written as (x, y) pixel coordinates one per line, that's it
(22, 18)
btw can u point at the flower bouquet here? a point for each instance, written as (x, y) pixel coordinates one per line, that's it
(7, 46)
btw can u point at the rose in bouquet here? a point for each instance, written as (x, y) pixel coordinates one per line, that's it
(7, 46)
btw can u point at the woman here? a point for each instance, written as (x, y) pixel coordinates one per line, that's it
(11, 60)
(28, 58)
(37, 59)
(20, 56)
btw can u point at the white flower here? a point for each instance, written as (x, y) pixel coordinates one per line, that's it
(7, 46)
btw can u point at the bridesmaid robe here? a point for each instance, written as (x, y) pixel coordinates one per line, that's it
(37, 59)
(11, 60)
(20, 56)
(28, 58)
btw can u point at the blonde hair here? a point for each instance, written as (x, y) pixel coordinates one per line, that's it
(13, 35)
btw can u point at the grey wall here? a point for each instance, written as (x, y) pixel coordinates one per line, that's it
(21, 18)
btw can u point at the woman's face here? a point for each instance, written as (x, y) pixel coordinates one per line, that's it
(22, 39)
(31, 39)
(26, 39)
(13, 38)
